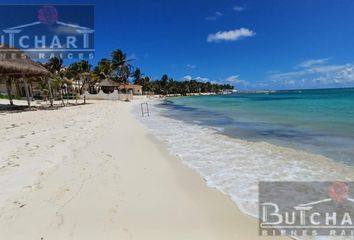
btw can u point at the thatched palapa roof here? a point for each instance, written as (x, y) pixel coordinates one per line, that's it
(108, 83)
(14, 62)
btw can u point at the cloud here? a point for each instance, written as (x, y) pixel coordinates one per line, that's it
(343, 76)
(313, 62)
(191, 66)
(238, 8)
(232, 35)
(218, 14)
(287, 75)
(187, 78)
(215, 16)
(200, 79)
(235, 80)
(316, 73)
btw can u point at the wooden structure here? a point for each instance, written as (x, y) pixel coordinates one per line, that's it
(108, 86)
(135, 89)
(17, 66)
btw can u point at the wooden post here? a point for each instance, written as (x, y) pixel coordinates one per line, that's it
(30, 90)
(79, 82)
(50, 92)
(61, 96)
(67, 95)
(27, 92)
(8, 88)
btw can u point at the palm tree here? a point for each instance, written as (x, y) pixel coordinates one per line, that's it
(172, 86)
(164, 83)
(80, 71)
(121, 66)
(55, 65)
(57, 83)
(104, 69)
(137, 75)
(147, 84)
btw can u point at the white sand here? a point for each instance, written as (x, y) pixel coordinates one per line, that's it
(93, 172)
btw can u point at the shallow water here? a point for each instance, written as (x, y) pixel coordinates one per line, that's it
(317, 121)
(235, 166)
(234, 146)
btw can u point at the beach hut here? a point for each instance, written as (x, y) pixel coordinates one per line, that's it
(15, 65)
(108, 86)
(135, 89)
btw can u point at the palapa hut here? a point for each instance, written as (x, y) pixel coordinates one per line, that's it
(15, 65)
(108, 86)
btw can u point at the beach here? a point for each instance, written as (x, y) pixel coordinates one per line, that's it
(237, 141)
(176, 120)
(94, 172)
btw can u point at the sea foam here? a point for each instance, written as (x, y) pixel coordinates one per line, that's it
(235, 166)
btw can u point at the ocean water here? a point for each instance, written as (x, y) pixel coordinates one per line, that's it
(319, 121)
(235, 141)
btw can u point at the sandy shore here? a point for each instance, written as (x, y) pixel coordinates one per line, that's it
(94, 172)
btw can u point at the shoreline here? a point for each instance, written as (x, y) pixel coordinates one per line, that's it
(69, 176)
(247, 162)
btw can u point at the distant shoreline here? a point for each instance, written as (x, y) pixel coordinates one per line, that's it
(256, 92)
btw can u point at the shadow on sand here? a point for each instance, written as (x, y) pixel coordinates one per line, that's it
(7, 108)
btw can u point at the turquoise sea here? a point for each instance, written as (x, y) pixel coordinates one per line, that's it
(319, 121)
(236, 141)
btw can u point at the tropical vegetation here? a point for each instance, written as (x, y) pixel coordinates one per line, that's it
(118, 68)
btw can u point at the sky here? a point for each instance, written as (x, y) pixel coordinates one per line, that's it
(252, 44)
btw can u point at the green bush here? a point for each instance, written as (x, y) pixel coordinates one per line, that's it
(7, 97)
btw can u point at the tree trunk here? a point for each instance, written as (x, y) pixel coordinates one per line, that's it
(8, 88)
(83, 85)
(61, 96)
(50, 92)
(78, 84)
(18, 90)
(30, 90)
(67, 95)
(27, 92)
